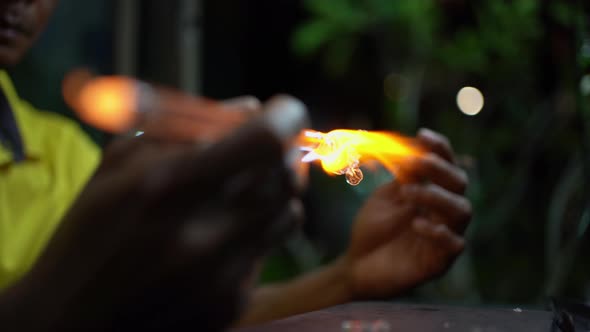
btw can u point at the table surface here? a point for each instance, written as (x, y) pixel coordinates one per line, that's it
(409, 318)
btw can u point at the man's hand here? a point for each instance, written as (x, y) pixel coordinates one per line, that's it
(166, 233)
(408, 233)
(405, 234)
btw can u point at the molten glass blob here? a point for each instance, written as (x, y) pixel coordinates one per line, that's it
(354, 176)
(343, 152)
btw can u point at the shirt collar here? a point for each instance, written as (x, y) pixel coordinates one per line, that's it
(19, 142)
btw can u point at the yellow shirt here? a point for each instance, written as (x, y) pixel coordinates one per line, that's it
(35, 193)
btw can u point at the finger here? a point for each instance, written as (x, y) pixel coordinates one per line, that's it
(441, 234)
(204, 123)
(287, 116)
(385, 223)
(433, 168)
(436, 143)
(456, 208)
(261, 141)
(390, 225)
(248, 104)
(180, 117)
(191, 126)
(458, 226)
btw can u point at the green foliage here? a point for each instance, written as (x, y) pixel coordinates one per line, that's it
(337, 25)
(565, 14)
(503, 34)
(466, 52)
(334, 27)
(415, 28)
(313, 35)
(343, 12)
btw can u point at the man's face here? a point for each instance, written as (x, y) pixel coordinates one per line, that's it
(21, 21)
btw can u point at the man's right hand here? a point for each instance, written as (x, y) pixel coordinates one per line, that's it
(166, 233)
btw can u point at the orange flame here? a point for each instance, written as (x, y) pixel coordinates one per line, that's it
(343, 151)
(116, 102)
(108, 103)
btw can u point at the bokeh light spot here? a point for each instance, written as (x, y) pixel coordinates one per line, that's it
(470, 100)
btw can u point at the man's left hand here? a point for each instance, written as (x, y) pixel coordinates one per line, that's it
(410, 231)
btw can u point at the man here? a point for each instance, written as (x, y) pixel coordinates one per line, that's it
(167, 234)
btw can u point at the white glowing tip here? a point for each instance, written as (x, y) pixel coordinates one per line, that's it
(470, 100)
(139, 133)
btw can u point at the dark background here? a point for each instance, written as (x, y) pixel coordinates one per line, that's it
(394, 65)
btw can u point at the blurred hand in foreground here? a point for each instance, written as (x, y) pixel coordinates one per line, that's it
(166, 233)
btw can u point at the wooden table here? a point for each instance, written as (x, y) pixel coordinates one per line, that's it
(410, 318)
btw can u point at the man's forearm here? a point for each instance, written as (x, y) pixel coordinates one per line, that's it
(326, 287)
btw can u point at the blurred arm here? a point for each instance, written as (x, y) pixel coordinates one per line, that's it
(319, 289)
